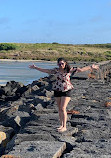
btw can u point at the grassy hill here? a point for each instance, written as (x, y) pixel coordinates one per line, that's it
(50, 52)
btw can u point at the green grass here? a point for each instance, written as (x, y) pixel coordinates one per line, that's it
(52, 51)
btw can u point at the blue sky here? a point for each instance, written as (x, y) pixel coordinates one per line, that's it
(62, 21)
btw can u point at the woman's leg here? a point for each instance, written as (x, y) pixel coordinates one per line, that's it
(63, 105)
(58, 100)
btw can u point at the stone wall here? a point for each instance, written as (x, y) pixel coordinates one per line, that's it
(104, 73)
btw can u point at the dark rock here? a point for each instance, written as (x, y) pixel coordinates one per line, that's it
(16, 119)
(39, 149)
(39, 107)
(33, 114)
(2, 91)
(8, 133)
(21, 90)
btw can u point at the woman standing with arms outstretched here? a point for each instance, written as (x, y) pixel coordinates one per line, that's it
(62, 86)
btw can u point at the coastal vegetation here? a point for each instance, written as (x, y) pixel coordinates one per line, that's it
(51, 51)
(7, 46)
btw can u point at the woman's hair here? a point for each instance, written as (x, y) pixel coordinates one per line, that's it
(67, 67)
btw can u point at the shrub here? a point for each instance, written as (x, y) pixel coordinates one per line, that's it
(83, 53)
(90, 53)
(97, 59)
(108, 45)
(55, 43)
(107, 53)
(7, 46)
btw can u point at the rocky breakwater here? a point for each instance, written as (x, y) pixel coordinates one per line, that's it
(29, 118)
(104, 73)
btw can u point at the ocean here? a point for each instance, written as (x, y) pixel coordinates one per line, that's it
(20, 71)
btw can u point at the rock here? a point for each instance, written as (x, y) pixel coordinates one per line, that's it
(11, 87)
(2, 137)
(11, 91)
(35, 88)
(42, 100)
(26, 107)
(39, 107)
(42, 82)
(17, 120)
(39, 149)
(2, 91)
(46, 93)
(21, 90)
(89, 150)
(32, 115)
(6, 134)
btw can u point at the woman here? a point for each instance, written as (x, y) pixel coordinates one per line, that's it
(62, 86)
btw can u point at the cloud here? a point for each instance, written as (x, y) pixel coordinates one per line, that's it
(4, 20)
(96, 19)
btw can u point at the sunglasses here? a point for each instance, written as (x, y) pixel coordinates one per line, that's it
(61, 64)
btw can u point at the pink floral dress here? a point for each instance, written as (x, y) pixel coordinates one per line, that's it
(62, 82)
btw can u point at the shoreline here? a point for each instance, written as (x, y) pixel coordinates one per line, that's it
(13, 60)
(42, 61)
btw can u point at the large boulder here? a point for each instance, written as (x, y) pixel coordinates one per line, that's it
(6, 134)
(11, 87)
(12, 91)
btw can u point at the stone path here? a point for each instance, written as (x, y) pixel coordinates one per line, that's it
(93, 139)
(88, 134)
(39, 149)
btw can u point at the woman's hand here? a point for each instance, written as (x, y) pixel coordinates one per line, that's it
(96, 67)
(32, 66)
(39, 69)
(86, 68)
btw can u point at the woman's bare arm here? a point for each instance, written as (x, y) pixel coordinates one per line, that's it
(86, 68)
(39, 69)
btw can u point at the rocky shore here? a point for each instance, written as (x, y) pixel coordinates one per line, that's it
(29, 118)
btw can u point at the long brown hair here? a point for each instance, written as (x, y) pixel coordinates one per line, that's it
(67, 67)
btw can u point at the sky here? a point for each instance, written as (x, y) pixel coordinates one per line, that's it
(61, 21)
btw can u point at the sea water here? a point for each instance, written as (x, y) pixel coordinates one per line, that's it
(20, 72)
